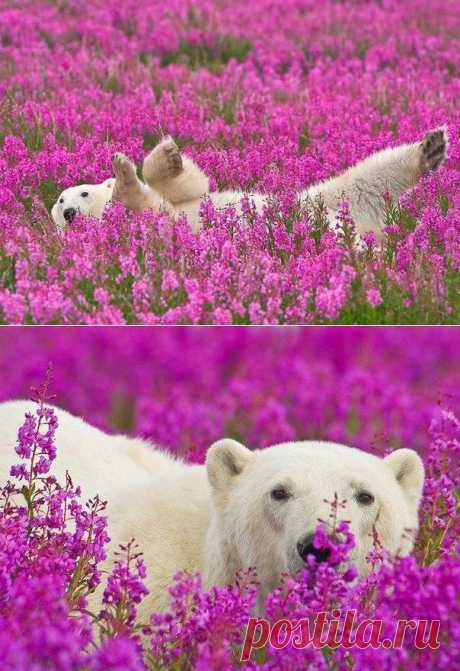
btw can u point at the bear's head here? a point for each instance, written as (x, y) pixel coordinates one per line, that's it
(87, 199)
(266, 505)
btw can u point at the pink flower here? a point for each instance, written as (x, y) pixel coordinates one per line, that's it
(374, 297)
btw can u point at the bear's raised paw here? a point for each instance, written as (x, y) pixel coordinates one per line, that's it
(433, 150)
(172, 157)
(123, 168)
(163, 162)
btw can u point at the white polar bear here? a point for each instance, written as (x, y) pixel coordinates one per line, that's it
(243, 508)
(175, 184)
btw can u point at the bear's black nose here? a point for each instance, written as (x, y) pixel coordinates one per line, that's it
(69, 213)
(305, 547)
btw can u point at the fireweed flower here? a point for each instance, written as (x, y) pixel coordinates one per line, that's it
(124, 589)
(205, 625)
(117, 654)
(374, 297)
(50, 551)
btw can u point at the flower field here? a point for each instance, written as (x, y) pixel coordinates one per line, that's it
(377, 389)
(271, 95)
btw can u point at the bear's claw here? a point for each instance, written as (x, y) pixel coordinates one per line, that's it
(172, 156)
(434, 149)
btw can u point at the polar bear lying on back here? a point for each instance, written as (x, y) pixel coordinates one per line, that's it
(175, 184)
(243, 508)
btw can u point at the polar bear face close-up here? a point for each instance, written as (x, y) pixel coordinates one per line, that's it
(242, 509)
(86, 199)
(269, 503)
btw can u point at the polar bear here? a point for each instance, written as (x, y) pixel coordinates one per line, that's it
(175, 184)
(242, 508)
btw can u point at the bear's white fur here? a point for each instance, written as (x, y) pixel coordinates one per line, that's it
(87, 199)
(222, 517)
(175, 184)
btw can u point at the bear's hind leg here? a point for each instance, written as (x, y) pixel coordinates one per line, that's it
(176, 178)
(386, 174)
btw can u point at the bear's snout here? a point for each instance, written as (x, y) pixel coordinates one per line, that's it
(69, 214)
(305, 548)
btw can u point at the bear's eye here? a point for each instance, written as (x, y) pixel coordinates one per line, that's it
(61, 200)
(84, 194)
(365, 498)
(279, 493)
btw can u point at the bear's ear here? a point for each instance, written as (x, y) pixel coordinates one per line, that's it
(224, 460)
(409, 472)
